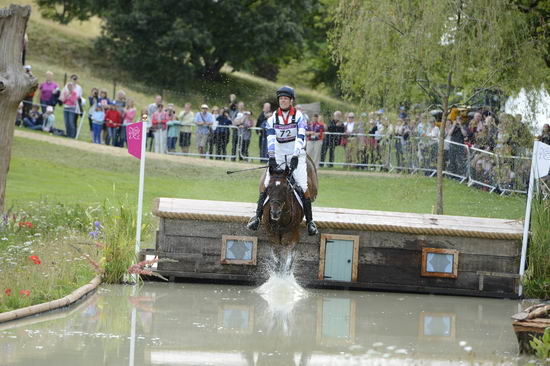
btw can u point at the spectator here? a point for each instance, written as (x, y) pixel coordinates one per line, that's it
(211, 132)
(456, 151)
(203, 120)
(433, 135)
(120, 103)
(98, 118)
(315, 132)
(19, 115)
(159, 128)
(113, 121)
(545, 136)
(331, 141)
(27, 101)
(47, 89)
(349, 140)
(79, 93)
(33, 119)
(371, 142)
(69, 97)
(103, 96)
(93, 101)
(222, 134)
(244, 125)
(235, 115)
(128, 117)
(153, 107)
(173, 125)
(402, 132)
(261, 123)
(48, 120)
(187, 120)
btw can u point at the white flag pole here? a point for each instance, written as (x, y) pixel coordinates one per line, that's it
(140, 194)
(527, 220)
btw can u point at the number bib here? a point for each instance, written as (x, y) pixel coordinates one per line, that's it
(286, 133)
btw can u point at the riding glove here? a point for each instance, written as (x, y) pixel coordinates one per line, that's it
(293, 163)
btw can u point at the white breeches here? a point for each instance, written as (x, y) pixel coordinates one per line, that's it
(300, 173)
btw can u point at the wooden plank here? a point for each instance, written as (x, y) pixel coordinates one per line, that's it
(327, 215)
(411, 276)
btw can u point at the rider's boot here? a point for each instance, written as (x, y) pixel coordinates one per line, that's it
(254, 222)
(311, 227)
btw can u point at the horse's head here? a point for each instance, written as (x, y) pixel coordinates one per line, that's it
(279, 191)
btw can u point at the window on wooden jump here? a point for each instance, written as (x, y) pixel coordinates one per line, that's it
(439, 262)
(437, 326)
(239, 250)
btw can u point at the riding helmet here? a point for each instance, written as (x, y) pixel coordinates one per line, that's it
(285, 91)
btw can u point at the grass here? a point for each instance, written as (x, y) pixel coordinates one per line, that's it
(537, 275)
(42, 170)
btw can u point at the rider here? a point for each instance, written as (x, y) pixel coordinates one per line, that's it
(286, 141)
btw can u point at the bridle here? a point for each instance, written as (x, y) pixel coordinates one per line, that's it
(287, 209)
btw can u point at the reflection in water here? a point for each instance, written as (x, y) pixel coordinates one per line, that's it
(197, 324)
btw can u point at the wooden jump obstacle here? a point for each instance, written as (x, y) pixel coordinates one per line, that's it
(357, 249)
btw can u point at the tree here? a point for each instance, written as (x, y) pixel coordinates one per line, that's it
(14, 82)
(163, 40)
(389, 50)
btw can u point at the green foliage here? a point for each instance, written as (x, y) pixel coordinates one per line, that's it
(64, 12)
(389, 51)
(119, 233)
(541, 345)
(169, 41)
(537, 275)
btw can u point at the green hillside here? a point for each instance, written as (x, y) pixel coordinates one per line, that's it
(69, 49)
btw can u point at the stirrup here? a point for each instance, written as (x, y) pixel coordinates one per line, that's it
(253, 223)
(312, 228)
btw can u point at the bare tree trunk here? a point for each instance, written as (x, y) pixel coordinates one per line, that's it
(441, 156)
(15, 83)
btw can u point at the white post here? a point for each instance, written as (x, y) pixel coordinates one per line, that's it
(133, 332)
(527, 219)
(80, 125)
(140, 193)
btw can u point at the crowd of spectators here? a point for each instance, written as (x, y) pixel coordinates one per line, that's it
(471, 137)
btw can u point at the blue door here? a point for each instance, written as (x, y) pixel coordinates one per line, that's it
(336, 318)
(338, 260)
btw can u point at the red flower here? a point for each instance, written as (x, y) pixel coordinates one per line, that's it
(25, 224)
(24, 292)
(35, 259)
(8, 291)
(29, 225)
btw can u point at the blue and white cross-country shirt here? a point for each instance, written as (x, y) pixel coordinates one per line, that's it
(286, 133)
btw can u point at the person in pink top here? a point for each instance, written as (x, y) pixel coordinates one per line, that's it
(128, 117)
(159, 120)
(47, 90)
(69, 97)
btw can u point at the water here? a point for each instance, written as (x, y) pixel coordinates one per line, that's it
(278, 323)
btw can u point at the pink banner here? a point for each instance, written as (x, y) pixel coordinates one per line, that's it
(133, 136)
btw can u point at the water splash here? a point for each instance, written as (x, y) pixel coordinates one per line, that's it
(281, 292)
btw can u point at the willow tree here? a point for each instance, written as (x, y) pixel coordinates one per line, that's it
(392, 50)
(15, 83)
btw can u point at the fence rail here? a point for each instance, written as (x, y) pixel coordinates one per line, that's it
(414, 155)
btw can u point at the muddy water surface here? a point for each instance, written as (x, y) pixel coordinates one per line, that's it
(200, 324)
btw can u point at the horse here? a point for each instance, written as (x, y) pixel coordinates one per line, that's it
(283, 214)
